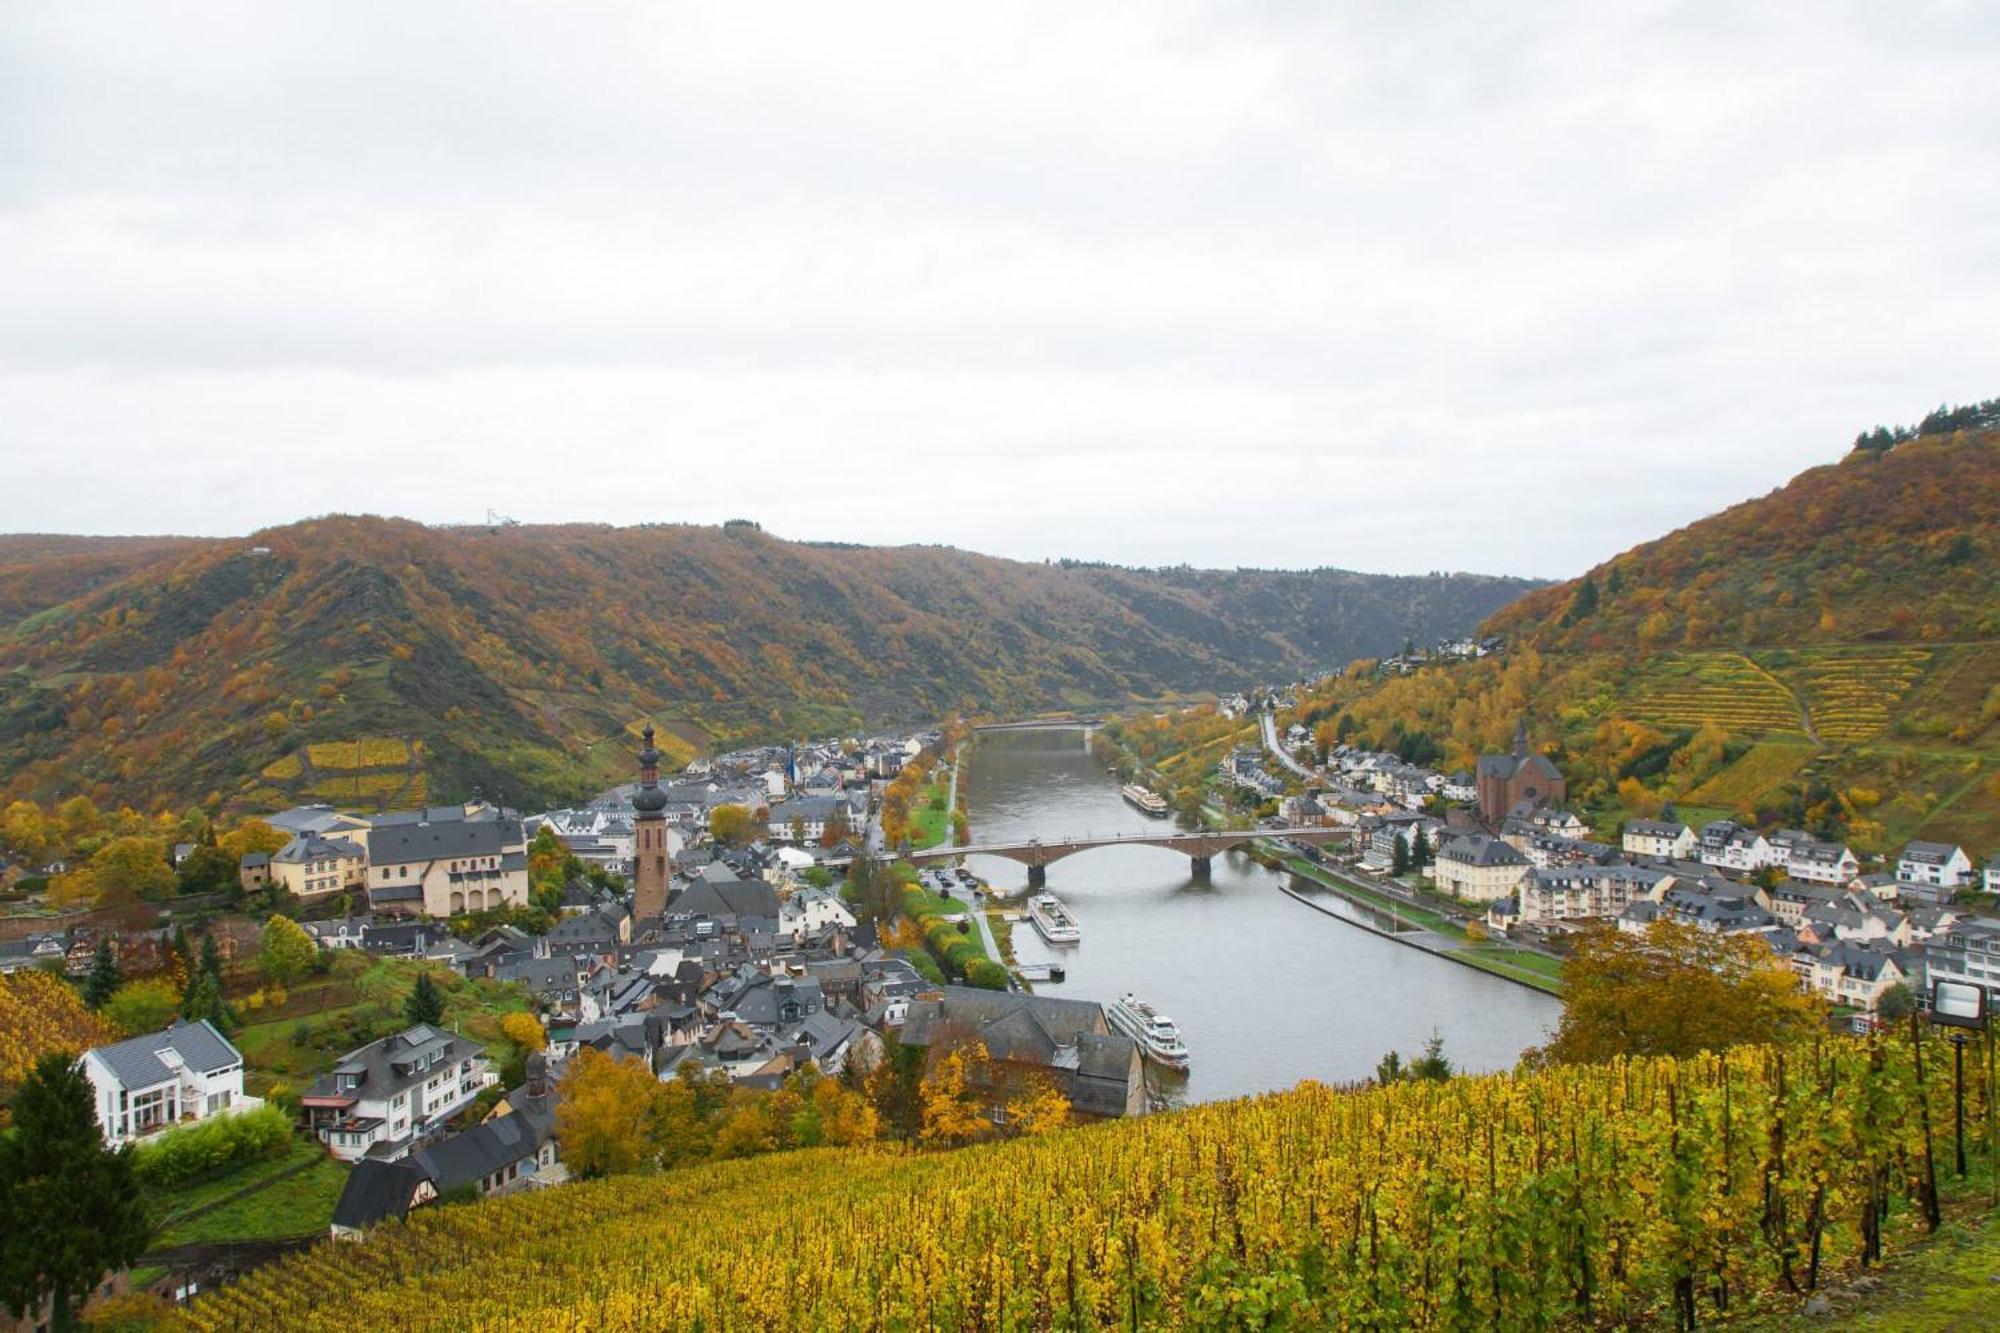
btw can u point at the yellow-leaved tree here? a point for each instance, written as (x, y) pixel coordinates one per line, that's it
(1037, 1108)
(604, 1113)
(524, 1030)
(952, 1114)
(1674, 990)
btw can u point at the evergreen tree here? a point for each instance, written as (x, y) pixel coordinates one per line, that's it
(1584, 604)
(211, 959)
(105, 976)
(426, 1002)
(203, 999)
(70, 1209)
(1389, 1069)
(1432, 1064)
(1420, 850)
(1400, 863)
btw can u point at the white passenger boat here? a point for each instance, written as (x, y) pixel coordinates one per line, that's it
(1052, 920)
(1145, 801)
(1158, 1037)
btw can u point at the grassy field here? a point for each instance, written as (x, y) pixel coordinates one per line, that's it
(296, 1205)
(297, 1049)
(930, 812)
(1762, 769)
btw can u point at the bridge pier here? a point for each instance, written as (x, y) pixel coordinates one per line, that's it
(1202, 865)
(1038, 877)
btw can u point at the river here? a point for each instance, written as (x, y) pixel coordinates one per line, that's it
(1266, 990)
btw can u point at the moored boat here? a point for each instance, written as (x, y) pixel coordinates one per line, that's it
(1145, 801)
(1157, 1036)
(1052, 920)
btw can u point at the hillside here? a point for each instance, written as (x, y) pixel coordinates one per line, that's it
(1826, 656)
(366, 659)
(1593, 1196)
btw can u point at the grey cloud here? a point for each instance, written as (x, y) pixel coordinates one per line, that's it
(1392, 286)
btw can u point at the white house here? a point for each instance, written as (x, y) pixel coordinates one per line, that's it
(810, 911)
(184, 1073)
(1663, 838)
(1935, 863)
(392, 1095)
(1479, 868)
(1729, 845)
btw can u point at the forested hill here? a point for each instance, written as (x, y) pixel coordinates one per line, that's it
(1825, 657)
(368, 659)
(1891, 544)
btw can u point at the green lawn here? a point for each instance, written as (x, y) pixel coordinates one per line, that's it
(273, 1052)
(929, 826)
(294, 1206)
(170, 1205)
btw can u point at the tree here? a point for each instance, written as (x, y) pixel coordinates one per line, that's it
(1432, 1064)
(70, 1208)
(1420, 850)
(133, 866)
(524, 1030)
(203, 1000)
(105, 976)
(951, 1114)
(143, 1006)
(425, 1003)
(288, 953)
(1895, 1004)
(604, 1113)
(1400, 861)
(1389, 1069)
(1037, 1108)
(730, 825)
(211, 959)
(252, 835)
(1674, 991)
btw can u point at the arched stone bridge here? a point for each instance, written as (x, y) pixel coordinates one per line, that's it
(1039, 853)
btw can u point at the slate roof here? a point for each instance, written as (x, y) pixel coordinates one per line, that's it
(399, 843)
(376, 1191)
(312, 847)
(469, 1157)
(727, 897)
(1480, 849)
(136, 1060)
(1929, 853)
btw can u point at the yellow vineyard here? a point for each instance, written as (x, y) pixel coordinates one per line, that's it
(1726, 690)
(1604, 1196)
(1853, 694)
(369, 752)
(1765, 767)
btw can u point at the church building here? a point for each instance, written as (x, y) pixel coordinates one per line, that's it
(1507, 780)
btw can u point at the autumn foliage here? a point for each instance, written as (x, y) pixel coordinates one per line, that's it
(1625, 1194)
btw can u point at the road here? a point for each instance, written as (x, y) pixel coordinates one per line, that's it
(1270, 722)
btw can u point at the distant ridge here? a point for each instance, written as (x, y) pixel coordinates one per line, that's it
(370, 660)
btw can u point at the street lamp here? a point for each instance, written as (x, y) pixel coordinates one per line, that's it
(1959, 1005)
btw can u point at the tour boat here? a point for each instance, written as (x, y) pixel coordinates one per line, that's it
(1158, 1038)
(1147, 802)
(1052, 920)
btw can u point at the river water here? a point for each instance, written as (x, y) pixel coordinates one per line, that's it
(1266, 990)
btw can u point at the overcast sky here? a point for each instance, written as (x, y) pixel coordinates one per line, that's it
(1395, 286)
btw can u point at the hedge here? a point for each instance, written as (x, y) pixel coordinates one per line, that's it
(194, 1151)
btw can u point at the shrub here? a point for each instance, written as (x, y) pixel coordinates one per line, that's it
(190, 1153)
(986, 974)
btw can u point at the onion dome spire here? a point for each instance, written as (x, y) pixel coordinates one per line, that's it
(649, 799)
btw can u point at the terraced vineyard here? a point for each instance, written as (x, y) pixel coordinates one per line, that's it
(367, 771)
(1726, 689)
(1637, 1193)
(1763, 768)
(1852, 694)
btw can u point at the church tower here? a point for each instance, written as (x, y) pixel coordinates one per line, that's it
(649, 842)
